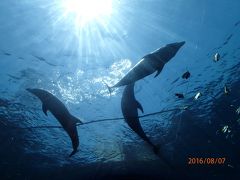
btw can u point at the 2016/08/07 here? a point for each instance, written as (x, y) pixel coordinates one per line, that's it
(208, 161)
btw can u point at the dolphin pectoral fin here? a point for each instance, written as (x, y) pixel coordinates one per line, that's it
(139, 106)
(158, 72)
(76, 120)
(44, 109)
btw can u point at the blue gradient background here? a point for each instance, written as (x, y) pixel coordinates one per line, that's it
(38, 49)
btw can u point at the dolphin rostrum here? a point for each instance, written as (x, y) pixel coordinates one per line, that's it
(60, 112)
(150, 63)
(130, 108)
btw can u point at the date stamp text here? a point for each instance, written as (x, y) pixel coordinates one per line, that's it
(206, 161)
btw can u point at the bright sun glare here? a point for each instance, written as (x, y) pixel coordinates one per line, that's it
(85, 11)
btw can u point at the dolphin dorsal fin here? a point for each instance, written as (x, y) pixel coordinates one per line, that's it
(139, 106)
(44, 109)
(158, 72)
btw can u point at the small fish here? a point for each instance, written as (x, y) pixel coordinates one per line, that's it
(39, 58)
(179, 95)
(216, 57)
(14, 77)
(238, 110)
(225, 129)
(237, 23)
(185, 107)
(197, 95)
(7, 54)
(186, 75)
(44, 60)
(226, 90)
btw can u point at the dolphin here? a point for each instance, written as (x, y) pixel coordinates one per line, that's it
(61, 113)
(150, 63)
(130, 108)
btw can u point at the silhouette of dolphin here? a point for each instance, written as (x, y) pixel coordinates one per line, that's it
(60, 112)
(130, 108)
(150, 63)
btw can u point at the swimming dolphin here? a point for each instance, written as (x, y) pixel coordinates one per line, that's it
(150, 63)
(130, 108)
(60, 112)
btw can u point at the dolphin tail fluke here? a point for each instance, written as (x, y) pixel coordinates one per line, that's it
(73, 152)
(109, 88)
(72, 132)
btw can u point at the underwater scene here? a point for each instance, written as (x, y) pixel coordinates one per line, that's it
(119, 89)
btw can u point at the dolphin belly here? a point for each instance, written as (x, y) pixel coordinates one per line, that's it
(139, 71)
(150, 63)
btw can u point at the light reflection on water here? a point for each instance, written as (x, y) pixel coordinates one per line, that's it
(75, 87)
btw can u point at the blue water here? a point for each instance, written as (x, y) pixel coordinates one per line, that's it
(39, 48)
